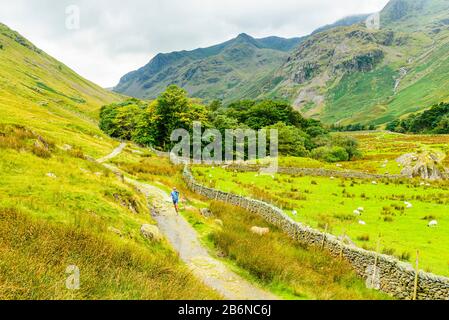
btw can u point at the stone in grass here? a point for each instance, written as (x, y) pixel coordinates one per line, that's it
(219, 222)
(151, 232)
(67, 147)
(205, 212)
(116, 231)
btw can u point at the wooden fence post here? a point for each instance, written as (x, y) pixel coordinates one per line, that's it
(343, 243)
(376, 260)
(415, 289)
(324, 237)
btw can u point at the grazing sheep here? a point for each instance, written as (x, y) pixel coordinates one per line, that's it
(374, 182)
(363, 223)
(408, 205)
(260, 231)
(294, 212)
(433, 223)
(361, 209)
(357, 212)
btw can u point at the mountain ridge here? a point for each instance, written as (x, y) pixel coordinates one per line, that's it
(342, 73)
(221, 57)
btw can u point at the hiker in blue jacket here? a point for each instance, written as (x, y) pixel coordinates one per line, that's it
(175, 198)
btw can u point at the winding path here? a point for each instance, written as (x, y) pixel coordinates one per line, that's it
(113, 154)
(184, 240)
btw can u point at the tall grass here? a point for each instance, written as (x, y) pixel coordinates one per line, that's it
(34, 255)
(279, 262)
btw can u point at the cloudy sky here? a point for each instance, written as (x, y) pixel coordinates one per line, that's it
(114, 37)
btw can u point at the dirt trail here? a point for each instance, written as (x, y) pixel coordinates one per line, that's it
(185, 241)
(113, 154)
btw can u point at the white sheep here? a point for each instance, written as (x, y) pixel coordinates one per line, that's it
(363, 223)
(357, 212)
(374, 183)
(260, 231)
(294, 212)
(408, 205)
(433, 223)
(361, 209)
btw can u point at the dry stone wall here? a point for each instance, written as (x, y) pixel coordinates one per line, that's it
(380, 271)
(317, 172)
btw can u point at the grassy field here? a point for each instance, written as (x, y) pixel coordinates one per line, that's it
(322, 201)
(308, 274)
(379, 152)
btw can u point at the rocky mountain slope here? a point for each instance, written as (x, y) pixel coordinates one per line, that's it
(353, 74)
(341, 73)
(224, 71)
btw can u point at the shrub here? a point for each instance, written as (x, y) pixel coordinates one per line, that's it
(364, 238)
(330, 154)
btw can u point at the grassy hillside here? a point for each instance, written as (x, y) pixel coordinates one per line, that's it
(57, 208)
(225, 71)
(352, 74)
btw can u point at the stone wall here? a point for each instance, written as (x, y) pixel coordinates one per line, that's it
(318, 172)
(382, 272)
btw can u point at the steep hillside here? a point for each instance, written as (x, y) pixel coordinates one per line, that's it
(345, 22)
(352, 74)
(342, 73)
(60, 209)
(43, 94)
(225, 71)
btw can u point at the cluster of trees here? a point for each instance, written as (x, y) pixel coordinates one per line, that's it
(353, 127)
(432, 121)
(151, 124)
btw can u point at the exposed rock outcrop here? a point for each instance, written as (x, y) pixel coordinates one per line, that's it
(425, 165)
(151, 232)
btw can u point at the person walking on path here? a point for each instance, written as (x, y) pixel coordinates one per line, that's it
(175, 197)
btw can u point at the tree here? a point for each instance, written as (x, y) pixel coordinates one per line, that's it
(107, 116)
(171, 104)
(443, 126)
(125, 121)
(330, 154)
(349, 144)
(291, 140)
(145, 129)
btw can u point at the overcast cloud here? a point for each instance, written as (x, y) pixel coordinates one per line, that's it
(116, 37)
